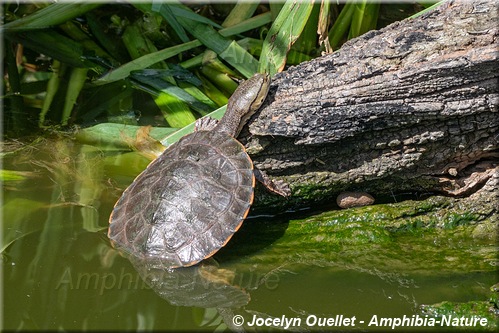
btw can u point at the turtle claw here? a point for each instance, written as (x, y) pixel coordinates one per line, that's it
(205, 124)
(280, 187)
(275, 186)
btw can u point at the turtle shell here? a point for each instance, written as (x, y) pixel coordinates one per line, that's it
(187, 203)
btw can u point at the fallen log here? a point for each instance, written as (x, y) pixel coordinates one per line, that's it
(410, 108)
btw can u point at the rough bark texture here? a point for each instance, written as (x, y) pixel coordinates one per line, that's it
(412, 107)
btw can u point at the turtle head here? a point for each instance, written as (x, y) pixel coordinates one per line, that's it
(243, 103)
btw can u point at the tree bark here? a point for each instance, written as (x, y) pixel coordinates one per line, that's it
(409, 108)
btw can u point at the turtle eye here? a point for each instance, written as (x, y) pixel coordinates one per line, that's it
(258, 102)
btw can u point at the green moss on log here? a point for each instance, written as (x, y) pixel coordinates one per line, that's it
(475, 309)
(432, 236)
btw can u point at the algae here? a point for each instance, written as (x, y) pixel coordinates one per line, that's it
(397, 242)
(474, 309)
(432, 236)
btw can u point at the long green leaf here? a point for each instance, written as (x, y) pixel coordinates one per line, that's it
(242, 11)
(13, 175)
(246, 25)
(307, 42)
(370, 17)
(76, 82)
(358, 15)
(202, 29)
(228, 50)
(175, 111)
(145, 61)
(254, 46)
(154, 79)
(213, 92)
(427, 9)
(106, 37)
(285, 30)
(322, 26)
(341, 25)
(167, 13)
(111, 136)
(114, 99)
(58, 70)
(75, 32)
(172, 9)
(174, 137)
(186, 13)
(53, 44)
(51, 15)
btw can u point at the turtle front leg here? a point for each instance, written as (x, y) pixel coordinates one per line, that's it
(205, 124)
(276, 186)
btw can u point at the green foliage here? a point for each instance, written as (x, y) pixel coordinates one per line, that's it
(284, 32)
(74, 53)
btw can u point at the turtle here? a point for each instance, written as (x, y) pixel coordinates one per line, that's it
(191, 199)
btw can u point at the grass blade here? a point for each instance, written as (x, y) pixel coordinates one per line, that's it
(154, 79)
(322, 26)
(58, 70)
(175, 111)
(341, 25)
(427, 9)
(111, 136)
(358, 15)
(76, 33)
(168, 15)
(174, 137)
(246, 25)
(49, 16)
(228, 50)
(370, 17)
(213, 92)
(202, 29)
(76, 82)
(307, 42)
(145, 61)
(241, 12)
(57, 46)
(106, 37)
(114, 100)
(283, 33)
(186, 13)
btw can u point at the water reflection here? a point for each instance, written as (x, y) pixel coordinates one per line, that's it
(60, 271)
(204, 285)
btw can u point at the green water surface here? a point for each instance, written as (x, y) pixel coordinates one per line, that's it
(60, 271)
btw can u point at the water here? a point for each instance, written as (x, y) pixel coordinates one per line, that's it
(60, 272)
